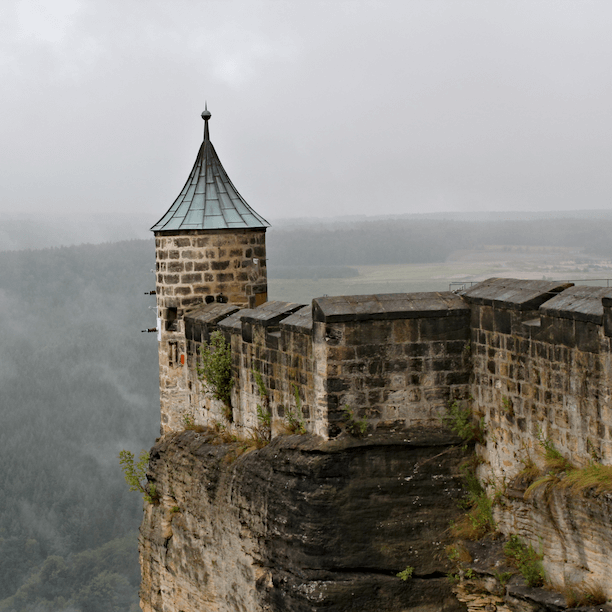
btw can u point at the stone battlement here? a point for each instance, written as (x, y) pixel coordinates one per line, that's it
(395, 360)
(532, 357)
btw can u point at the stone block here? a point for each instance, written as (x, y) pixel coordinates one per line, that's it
(487, 320)
(369, 351)
(444, 328)
(388, 366)
(343, 353)
(457, 378)
(564, 332)
(502, 321)
(405, 330)
(190, 301)
(420, 349)
(587, 336)
(219, 265)
(226, 277)
(438, 364)
(273, 340)
(191, 278)
(201, 289)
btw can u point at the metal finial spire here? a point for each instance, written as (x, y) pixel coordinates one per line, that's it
(206, 115)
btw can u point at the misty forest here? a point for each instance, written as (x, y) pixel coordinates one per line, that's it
(80, 379)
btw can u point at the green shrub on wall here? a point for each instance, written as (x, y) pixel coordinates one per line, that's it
(526, 560)
(215, 368)
(463, 423)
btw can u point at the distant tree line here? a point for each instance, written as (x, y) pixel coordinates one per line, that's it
(426, 241)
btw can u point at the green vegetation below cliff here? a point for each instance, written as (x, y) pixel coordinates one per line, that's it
(105, 579)
(79, 383)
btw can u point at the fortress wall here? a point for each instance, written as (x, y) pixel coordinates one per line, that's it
(275, 340)
(275, 343)
(182, 394)
(395, 360)
(174, 390)
(542, 370)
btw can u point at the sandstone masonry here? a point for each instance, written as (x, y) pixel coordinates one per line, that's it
(533, 358)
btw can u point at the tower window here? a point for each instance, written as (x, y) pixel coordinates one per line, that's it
(171, 314)
(172, 353)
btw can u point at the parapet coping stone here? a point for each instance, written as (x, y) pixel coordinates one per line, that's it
(513, 293)
(388, 306)
(269, 313)
(300, 320)
(211, 313)
(580, 303)
(233, 323)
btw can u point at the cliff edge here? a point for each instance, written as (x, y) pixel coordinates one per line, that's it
(302, 524)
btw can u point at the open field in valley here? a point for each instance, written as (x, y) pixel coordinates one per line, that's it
(469, 266)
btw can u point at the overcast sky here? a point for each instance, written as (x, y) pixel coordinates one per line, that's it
(318, 108)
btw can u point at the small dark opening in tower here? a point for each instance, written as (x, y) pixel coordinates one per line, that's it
(171, 314)
(210, 299)
(172, 353)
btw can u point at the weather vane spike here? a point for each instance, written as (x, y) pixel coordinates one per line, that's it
(206, 115)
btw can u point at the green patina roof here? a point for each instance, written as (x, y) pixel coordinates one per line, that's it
(209, 200)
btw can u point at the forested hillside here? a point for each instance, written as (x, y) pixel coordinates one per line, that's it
(423, 240)
(79, 383)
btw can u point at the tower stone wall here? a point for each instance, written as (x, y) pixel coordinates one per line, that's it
(210, 247)
(195, 267)
(192, 265)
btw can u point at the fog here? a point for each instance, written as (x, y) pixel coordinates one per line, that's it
(394, 146)
(318, 108)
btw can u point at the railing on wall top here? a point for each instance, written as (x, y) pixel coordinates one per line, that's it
(461, 286)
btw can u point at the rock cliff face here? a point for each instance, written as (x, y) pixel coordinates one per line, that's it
(301, 524)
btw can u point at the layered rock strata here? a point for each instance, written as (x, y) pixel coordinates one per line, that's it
(300, 525)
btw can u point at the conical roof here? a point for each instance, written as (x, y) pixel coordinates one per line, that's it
(209, 200)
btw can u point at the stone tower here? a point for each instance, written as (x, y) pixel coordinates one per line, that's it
(210, 246)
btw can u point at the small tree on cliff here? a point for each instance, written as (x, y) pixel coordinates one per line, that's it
(136, 474)
(215, 368)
